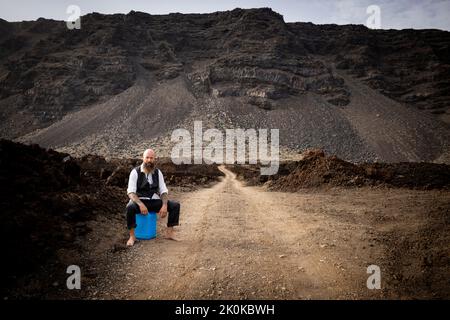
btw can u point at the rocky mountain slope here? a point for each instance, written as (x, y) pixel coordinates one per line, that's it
(123, 82)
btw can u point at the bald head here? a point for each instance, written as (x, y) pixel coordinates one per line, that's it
(148, 152)
(148, 159)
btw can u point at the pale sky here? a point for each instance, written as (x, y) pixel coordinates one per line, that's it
(395, 14)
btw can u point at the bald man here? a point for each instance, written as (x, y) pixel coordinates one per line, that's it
(148, 193)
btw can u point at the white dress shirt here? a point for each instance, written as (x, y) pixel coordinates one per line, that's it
(132, 183)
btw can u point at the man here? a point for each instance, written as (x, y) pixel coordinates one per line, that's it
(148, 192)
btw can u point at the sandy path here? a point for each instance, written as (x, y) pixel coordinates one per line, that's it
(243, 243)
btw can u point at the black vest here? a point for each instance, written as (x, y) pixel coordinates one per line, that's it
(143, 188)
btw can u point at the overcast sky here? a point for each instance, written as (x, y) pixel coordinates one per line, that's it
(395, 14)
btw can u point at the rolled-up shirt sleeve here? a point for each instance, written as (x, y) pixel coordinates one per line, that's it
(132, 182)
(162, 184)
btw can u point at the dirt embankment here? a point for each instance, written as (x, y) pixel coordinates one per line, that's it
(316, 169)
(51, 203)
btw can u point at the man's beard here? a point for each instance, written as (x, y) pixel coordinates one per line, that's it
(149, 166)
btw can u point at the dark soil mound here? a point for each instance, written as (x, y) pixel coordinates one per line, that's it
(45, 202)
(415, 175)
(318, 170)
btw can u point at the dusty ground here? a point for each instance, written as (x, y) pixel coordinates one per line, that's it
(243, 242)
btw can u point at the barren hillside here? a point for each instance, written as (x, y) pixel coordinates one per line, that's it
(123, 82)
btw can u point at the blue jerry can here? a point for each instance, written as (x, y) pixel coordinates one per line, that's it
(146, 226)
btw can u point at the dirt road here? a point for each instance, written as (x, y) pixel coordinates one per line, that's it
(244, 243)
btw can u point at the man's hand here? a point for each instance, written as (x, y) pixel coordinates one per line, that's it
(163, 211)
(133, 197)
(143, 208)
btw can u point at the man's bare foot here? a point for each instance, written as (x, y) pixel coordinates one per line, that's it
(131, 241)
(170, 234)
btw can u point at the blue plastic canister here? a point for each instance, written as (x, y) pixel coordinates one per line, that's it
(146, 226)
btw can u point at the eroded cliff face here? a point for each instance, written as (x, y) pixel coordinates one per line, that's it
(146, 74)
(410, 66)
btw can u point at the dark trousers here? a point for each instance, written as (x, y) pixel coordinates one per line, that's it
(153, 205)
